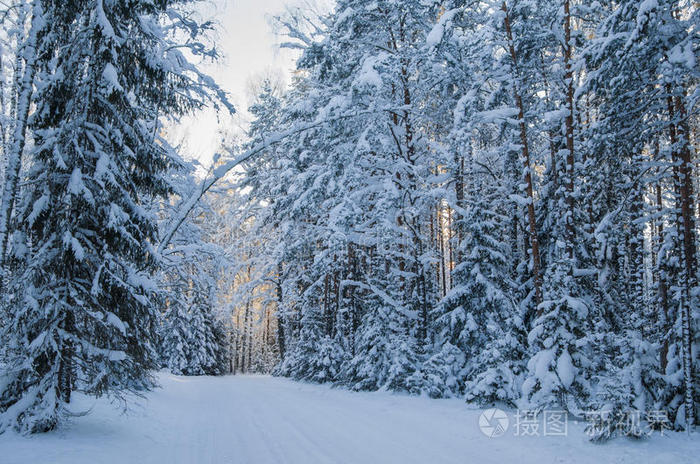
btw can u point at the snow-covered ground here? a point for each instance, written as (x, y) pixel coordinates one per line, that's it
(257, 419)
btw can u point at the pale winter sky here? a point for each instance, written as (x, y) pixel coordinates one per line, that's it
(248, 45)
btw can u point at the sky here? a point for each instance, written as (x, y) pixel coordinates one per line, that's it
(249, 48)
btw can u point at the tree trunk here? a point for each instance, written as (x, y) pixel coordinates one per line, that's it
(531, 217)
(18, 140)
(237, 344)
(66, 370)
(280, 317)
(686, 230)
(326, 305)
(662, 292)
(250, 344)
(569, 122)
(459, 196)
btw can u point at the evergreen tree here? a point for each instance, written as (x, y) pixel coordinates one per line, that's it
(84, 317)
(487, 199)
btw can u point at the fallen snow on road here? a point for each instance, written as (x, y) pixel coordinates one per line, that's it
(257, 419)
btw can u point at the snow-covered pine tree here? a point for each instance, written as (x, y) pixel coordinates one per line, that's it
(191, 332)
(352, 191)
(85, 320)
(494, 115)
(192, 337)
(205, 343)
(559, 367)
(32, 47)
(486, 294)
(629, 60)
(398, 165)
(175, 336)
(356, 205)
(614, 195)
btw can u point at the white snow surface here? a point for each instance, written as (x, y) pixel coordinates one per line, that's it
(260, 419)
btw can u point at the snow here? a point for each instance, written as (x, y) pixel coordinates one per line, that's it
(368, 76)
(436, 34)
(78, 251)
(102, 20)
(565, 369)
(496, 115)
(114, 321)
(542, 363)
(75, 185)
(37, 208)
(646, 7)
(683, 55)
(345, 15)
(259, 419)
(111, 78)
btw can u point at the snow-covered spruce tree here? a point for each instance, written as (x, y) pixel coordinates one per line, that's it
(295, 183)
(85, 320)
(190, 341)
(397, 165)
(626, 374)
(559, 367)
(478, 315)
(639, 49)
(205, 343)
(351, 186)
(494, 125)
(32, 47)
(174, 337)
(484, 291)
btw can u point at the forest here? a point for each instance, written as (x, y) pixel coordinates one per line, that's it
(489, 200)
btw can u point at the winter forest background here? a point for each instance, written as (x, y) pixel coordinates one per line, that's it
(491, 200)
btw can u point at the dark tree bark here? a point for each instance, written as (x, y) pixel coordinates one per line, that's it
(531, 217)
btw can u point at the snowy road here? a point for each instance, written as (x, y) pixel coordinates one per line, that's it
(251, 419)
